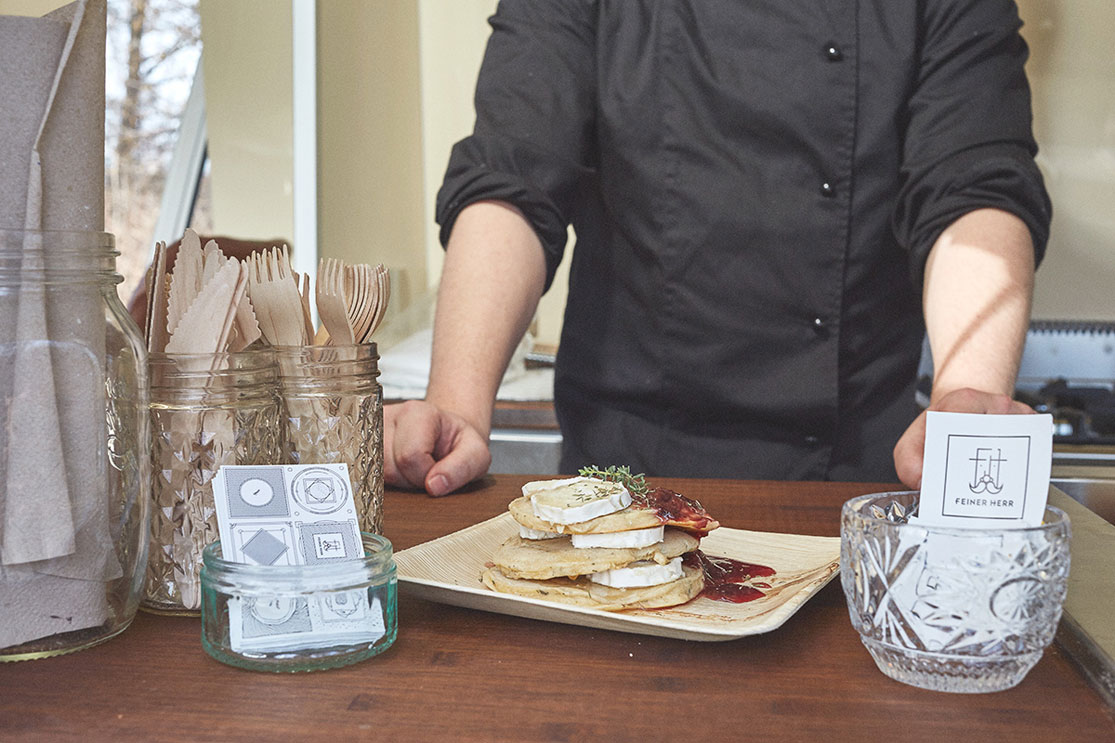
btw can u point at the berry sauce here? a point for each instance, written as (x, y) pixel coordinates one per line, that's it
(676, 509)
(725, 578)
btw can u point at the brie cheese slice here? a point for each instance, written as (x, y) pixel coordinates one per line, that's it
(640, 574)
(536, 534)
(620, 539)
(576, 499)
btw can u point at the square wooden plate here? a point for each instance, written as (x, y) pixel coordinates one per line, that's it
(447, 570)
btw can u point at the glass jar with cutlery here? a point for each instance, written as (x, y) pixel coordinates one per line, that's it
(207, 411)
(237, 381)
(328, 378)
(333, 413)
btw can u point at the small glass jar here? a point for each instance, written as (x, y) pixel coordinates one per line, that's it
(74, 475)
(299, 617)
(333, 413)
(207, 411)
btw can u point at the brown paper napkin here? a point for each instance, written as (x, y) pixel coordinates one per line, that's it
(55, 544)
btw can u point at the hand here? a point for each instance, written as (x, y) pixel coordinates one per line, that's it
(426, 447)
(909, 452)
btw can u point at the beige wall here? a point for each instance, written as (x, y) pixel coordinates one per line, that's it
(453, 36)
(370, 177)
(29, 7)
(452, 39)
(371, 189)
(1072, 72)
(395, 86)
(248, 103)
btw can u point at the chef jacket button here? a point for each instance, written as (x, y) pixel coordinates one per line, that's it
(833, 53)
(820, 326)
(812, 440)
(828, 190)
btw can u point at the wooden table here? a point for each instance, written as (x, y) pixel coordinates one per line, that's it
(457, 674)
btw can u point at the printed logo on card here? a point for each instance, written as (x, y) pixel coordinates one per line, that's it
(985, 470)
(986, 476)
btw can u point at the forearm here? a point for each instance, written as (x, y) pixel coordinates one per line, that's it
(979, 281)
(491, 282)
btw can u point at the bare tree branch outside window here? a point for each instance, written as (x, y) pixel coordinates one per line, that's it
(153, 51)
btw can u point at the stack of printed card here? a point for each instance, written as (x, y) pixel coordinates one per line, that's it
(289, 515)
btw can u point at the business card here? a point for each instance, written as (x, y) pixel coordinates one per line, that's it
(985, 470)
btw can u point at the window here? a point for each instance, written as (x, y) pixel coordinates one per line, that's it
(153, 52)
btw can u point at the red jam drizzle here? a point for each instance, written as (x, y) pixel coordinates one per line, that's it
(676, 508)
(725, 578)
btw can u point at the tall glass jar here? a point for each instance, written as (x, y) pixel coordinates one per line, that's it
(74, 470)
(333, 413)
(207, 411)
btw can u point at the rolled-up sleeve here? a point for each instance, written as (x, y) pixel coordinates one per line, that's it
(532, 144)
(968, 140)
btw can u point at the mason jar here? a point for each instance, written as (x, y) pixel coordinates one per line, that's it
(207, 411)
(74, 465)
(333, 413)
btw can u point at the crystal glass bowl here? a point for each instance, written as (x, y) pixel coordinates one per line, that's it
(960, 610)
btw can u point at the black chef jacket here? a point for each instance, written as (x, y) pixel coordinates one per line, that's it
(754, 188)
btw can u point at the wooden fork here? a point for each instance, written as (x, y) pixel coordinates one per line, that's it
(360, 303)
(384, 279)
(303, 283)
(332, 306)
(275, 298)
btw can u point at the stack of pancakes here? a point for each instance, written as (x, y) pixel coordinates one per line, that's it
(589, 542)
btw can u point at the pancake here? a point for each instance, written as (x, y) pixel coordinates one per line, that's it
(549, 567)
(632, 517)
(553, 558)
(583, 592)
(657, 507)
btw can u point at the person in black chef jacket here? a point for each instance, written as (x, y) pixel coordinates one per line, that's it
(772, 201)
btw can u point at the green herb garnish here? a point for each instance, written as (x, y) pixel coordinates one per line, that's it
(635, 484)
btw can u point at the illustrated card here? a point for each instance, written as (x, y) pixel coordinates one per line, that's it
(286, 514)
(985, 470)
(276, 623)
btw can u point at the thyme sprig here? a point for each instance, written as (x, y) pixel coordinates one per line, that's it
(635, 484)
